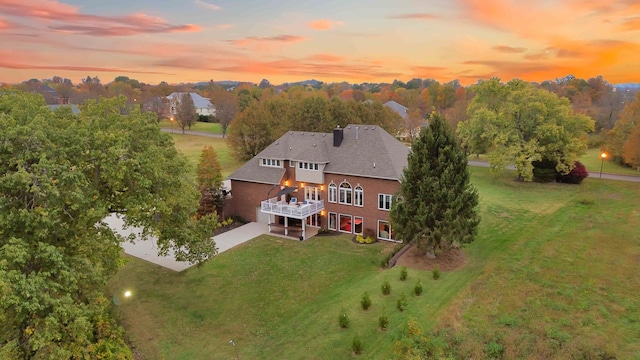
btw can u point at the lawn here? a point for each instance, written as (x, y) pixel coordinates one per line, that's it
(553, 266)
(191, 146)
(213, 128)
(592, 161)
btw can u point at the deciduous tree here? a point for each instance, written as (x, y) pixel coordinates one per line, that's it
(209, 178)
(437, 205)
(227, 106)
(186, 111)
(617, 137)
(631, 148)
(60, 176)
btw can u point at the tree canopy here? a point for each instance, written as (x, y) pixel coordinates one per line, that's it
(60, 176)
(521, 124)
(186, 111)
(437, 205)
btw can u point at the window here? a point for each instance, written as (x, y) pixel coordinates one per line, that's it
(358, 196)
(344, 194)
(345, 223)
(333, 220)
(384, 201)
(308, 166)
(357, 225)
(271, 163)
(292, 163)
(332, 192)
(385, 231)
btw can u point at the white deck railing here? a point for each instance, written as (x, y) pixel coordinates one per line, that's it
(298, 211)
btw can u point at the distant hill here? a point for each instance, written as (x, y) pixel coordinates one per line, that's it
(627, 86)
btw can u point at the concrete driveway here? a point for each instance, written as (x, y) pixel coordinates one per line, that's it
(148, 249)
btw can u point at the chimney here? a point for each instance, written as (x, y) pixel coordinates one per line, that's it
(337, 136)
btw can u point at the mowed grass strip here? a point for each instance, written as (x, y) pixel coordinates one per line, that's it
(593, 161)
(208, 127)
(191, 146)
(278, 298)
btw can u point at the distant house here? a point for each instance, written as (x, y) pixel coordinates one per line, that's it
(74, 108)
(343, 181)
(402, 110)
(203, 105)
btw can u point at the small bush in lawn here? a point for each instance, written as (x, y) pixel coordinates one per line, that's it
(366, 301)
(418, 288)
(383, 322)
(343, 319)
(403, 274)
(386, 288)
(356, 345)
(436, 273)
(402, 303)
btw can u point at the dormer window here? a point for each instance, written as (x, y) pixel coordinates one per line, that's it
(271, 162)
(308, 166)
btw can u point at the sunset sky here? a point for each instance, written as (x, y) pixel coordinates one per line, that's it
(290, 40)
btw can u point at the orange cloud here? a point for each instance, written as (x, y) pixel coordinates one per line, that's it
(224, 26)
(268, 39)
(325, 58)
(631, 24)
(323, 24)
(509, 49)
(415, 16)
(75, 22)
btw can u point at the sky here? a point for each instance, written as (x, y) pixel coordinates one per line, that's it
(328, 40)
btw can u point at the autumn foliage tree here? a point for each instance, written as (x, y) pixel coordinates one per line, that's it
(209, 179)
(631, 148)
(186, 111)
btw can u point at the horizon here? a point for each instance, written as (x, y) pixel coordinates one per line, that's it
(365, 41)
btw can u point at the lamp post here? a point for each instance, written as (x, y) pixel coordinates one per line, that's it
(602, 156)
(171, 121)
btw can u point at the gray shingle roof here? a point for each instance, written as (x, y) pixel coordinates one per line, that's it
(398, 108)
(198, 101)
(366, 150)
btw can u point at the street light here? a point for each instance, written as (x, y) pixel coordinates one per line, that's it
(603, 156)
(233, 343)
(171, 121)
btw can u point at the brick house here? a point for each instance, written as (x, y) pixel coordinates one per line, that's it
(342, 181)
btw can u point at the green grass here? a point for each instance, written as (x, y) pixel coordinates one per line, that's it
(554, 266)
(213, 128)
(191, 146)
(592, 161)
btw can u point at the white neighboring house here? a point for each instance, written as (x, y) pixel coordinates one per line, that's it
(203, 105)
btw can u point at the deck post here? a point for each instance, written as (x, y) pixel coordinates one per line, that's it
(304, 222)
(286, 226)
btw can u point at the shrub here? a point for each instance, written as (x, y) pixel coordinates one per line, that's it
(403, 274)
(383, 322)
(435, 273)
(386, 288)
(364, 240)
(356, 345)
(402, 303)
(366, 301)
(418, 288)
(493, 350)
(576, 175)
(323, 230)
(369, 232)
(343, 319)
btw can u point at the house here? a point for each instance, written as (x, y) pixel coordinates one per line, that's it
(203, 105)
(74, 108)
(343, 181)
(402, 110)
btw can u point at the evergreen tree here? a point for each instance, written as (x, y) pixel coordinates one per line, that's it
(437, 206)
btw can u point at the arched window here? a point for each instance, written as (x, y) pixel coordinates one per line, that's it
(344, 193)
(333, 190)
(358, 196)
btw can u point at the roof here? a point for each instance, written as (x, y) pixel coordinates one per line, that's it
(397, 107)
(74, 108)
(198, 101)
(366, 150)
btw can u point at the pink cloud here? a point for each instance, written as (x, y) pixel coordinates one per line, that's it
(415, 16)
(323, 24)
(325, 58)
(224, 26)
(75, 22)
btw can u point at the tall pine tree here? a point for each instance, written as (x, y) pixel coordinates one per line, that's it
(437, 206)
